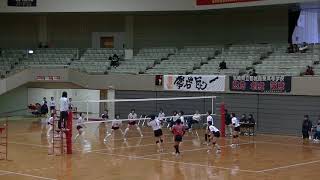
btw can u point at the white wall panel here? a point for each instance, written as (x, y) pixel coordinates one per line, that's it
(36, 94)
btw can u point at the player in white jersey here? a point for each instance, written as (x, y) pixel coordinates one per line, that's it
(132, 117)
(161, 116)
(195, 120)
(214, 135)
(236, 130)
(50, 123)
(80, 126)
(52, 105)
(115, 125)
(207, 132)
(155, 124)
(181, 117)
(173, 119)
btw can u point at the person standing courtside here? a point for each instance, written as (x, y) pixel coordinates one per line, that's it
(228, 123)
(64, 107)
(306, 127)
(52, 104)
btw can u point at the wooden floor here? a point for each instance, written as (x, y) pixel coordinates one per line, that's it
(262, 157)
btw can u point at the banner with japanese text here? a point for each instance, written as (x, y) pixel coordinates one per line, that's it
(205, 83)
(265, 84)
(211, 2)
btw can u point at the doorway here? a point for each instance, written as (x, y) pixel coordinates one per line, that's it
(107, 42)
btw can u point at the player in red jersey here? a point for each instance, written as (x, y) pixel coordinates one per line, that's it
(178, 131)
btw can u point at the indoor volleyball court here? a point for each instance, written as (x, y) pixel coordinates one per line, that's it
(38, 156)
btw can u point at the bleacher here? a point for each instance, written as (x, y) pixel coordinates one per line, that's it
(47, 58)
(291, 64)
(95, 61)
(264, 58)
(8, 60)
(145, 59)
(185, 60)
(237, 57)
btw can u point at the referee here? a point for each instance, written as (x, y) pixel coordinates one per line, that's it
(64, 107)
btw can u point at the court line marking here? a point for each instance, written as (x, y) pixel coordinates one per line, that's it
(38, 169)
(284, 136)
(175, 162)
(144, 157)
(27, 175)
(288, 166)
(287, 144)
(27, 144)
(143, 145)
(5, 173)
(190, 150)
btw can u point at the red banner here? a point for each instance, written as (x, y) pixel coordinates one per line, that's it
(211, 2)
(48, 78)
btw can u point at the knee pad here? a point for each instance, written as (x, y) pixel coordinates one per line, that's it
(213, 143)
(161, 140)
(234, 136)
(157, 142)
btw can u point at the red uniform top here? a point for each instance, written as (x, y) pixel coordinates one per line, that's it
(178, 130)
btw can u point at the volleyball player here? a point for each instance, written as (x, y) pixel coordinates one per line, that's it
(50, 123)
(132, 117)
(236, 130)
(156, 127)
(181, 117)
(173, 119)
(70, 104)
(161, 116)
(115, 125)
(178, 131)
(195, 119)
(52, 105)
(207, 132)
(214, 135)
(80, 126)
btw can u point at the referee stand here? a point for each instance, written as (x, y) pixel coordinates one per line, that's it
(62, 140)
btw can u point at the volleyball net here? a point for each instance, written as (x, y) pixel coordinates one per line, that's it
(93, 111)
(119, 109)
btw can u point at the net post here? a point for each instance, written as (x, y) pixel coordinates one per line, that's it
(87, 113)
(223, 119)
(212, 105)
(69, 132)
(6, 138)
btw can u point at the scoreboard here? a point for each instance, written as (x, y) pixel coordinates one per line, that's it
(22, 3)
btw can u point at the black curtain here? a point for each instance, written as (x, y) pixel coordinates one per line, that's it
(293, 16)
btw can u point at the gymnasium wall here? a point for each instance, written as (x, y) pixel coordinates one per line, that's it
(219, 27)
(75, 30)
(274, 113)
(18, 31)
(263, 24)
(13, 100)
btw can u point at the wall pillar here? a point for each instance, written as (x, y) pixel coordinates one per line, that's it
(111, 94)
(129, 23)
